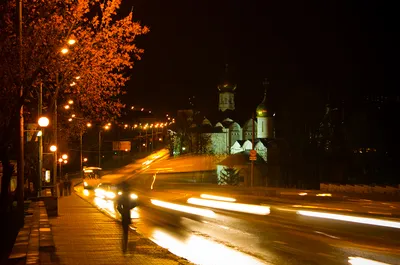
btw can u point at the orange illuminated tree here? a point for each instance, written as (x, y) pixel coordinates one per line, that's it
(82, 50)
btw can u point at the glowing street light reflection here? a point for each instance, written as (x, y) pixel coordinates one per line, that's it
(183, 208)
(353, 219)
(237, 207)
(218, 198)
(200, 250)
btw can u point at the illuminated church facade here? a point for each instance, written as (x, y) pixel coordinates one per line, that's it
(228, 136)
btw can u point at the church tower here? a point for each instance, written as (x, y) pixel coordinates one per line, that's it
(226, 93)
(265, 128)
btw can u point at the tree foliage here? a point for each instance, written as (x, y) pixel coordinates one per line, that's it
(229, 176)
(94, 70)
(92, 73)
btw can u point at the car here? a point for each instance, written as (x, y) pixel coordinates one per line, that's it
(91, 177)
(107, 191)
(110, 191)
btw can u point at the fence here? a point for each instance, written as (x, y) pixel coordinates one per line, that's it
(367, 189)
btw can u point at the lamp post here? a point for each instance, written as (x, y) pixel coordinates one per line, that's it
(81, 147)
(81, 155)
(64, 51)
(53, 149)
(62, 160)
(43, 123)
(107, 127)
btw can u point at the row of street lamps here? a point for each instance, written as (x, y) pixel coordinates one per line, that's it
(43, 123)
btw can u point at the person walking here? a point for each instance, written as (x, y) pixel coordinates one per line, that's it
(61, 187)
(65, 180)
(67, 185)
(124, 206)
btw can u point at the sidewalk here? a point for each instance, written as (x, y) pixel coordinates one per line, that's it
(84, 235)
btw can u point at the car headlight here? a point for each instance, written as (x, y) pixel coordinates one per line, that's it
(85, 184)
(134, 196)
(99, 193)
(110, 194)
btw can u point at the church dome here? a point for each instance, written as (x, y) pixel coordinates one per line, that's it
(227, 87)
(261, 109)
(226, 84)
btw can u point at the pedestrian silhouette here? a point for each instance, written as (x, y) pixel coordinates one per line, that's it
(124, 206)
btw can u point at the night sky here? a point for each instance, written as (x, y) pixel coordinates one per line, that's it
(307, 49)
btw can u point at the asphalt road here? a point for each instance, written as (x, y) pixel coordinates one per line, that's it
(293, 232)
(281, 237)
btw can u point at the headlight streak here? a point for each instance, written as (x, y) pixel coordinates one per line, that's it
(353, 219)
(99, 193)
(218, 198)
(238, 207)
(324, 195)
(183, 208)
(110, 195)
(201, 250)
(362, 261)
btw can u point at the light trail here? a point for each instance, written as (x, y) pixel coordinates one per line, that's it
(183, 208)
(353, 219)
(218, 198)
(238, 207)
(362, 261)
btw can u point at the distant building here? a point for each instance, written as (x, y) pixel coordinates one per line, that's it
(228, 136)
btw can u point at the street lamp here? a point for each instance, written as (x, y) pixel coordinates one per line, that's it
(71, 41)
(43, 123)
(64, 156)
(106, 127)
(53, 149)
(61, 161)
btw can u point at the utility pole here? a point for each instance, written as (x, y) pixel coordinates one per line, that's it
(21, 162)
(40, 106)
(152, 139)
(252, 148)
(147, 142)
(140, 140)
(100, 148)
(55, 142)
(81, 146)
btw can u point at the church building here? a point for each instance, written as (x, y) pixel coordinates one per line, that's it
(227, 135)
